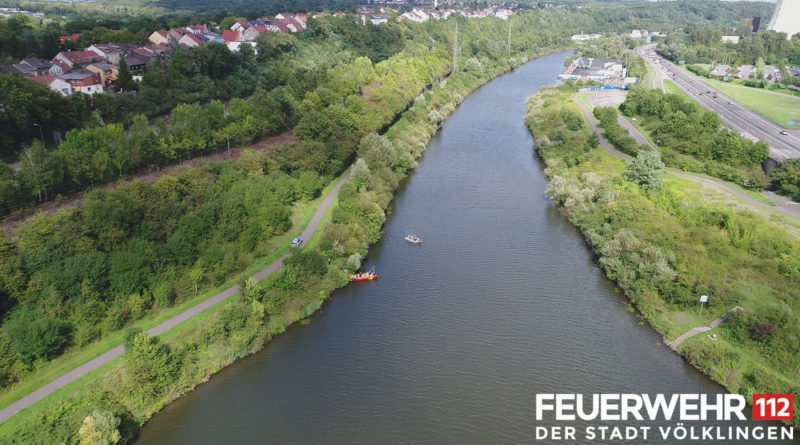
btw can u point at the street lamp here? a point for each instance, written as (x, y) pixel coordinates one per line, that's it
(41, 133)
(127, 119)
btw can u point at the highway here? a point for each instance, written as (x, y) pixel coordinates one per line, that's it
(750, 124)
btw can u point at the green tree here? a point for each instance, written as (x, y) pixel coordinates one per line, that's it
(99, 428)
(124, 80)
(647, 170)
(252, 290)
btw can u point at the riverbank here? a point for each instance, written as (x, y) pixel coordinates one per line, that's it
(241, 332)
(665, 247)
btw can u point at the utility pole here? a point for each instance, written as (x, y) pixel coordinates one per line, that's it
(455, 51)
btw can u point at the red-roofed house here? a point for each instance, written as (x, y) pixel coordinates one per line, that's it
(241, 24)
(159, 37)
(63, 39)
(59, 67)
(231, 36)
(83, 81)
(59, 86)
(78, 58)
(190, 40)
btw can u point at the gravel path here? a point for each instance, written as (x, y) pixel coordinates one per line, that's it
(69, 377)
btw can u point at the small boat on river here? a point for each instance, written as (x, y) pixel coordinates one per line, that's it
(364, 276)
(413, 239)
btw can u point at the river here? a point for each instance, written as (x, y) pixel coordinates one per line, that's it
(501, 301)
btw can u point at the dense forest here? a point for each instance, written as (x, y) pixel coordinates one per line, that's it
(703, 44)
(287, 67)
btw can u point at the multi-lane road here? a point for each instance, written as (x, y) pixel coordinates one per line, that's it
(750, 124)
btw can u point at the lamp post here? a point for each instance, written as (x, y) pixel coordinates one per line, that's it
(41, 133)
(127, 119)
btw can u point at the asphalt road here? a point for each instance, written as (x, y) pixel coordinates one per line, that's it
(7, 412)
(750, 124)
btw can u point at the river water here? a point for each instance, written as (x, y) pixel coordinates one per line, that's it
(501, 301)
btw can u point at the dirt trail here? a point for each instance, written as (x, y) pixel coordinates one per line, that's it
(10, 224)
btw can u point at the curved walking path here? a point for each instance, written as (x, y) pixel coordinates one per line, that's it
(69, 377)
(694, 331)
(786, 208)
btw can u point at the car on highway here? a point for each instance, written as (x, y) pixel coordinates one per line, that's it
(784, 132)
(297, 242)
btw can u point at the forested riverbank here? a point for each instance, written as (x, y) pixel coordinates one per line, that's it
(155, 371)
(665, 245)
(90, 272)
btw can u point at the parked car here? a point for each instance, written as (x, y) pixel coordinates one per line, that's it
(297, 242)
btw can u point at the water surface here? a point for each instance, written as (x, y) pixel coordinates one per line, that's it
(450, 346)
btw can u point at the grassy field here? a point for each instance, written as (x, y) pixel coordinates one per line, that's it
(302, 214)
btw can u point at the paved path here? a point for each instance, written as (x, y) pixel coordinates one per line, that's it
(698, 330)
(7, 412)
(786, 206)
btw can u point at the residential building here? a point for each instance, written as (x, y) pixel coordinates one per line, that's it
(78, 58)
(230, 35)
(107, 72)
(160, 37)
(111, 52)
(136, 62)
(189, 40)
(54, 83)
(83, 81)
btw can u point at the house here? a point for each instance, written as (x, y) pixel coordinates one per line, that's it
(189, 40)
(54, 83)
(38, 66)
(59, 67)
(72, 37)
(136, 62)
(730, 39)
(27, 67)
(198, 29)
(160, 37)
(585, 37)
(251, 33)
(78, 58)
(375, 19)
(12, 68)
(745, 72)
(106, 71)
(240, 25)
(230, 35)
(111, 52)
(83, 81)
